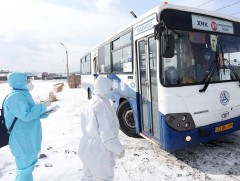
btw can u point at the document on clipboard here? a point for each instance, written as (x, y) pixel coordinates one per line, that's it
(52, 109)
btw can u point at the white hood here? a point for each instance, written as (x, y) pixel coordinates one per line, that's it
(102, 86)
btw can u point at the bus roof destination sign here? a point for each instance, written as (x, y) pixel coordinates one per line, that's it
(211, 24)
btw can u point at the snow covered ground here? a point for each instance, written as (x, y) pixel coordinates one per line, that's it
(143, 161)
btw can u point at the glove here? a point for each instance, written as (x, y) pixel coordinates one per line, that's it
(121, 155)
(47, 103)
(44, 116)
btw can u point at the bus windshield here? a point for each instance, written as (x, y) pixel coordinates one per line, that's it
(194, 54)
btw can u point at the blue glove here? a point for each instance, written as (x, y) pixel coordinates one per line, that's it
(44, 116)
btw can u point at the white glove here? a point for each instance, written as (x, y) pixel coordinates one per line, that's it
(121, 155)
(47, 103)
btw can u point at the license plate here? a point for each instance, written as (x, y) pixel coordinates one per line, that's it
(224, 127)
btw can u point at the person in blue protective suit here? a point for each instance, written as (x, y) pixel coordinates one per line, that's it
(26, 136)
(99, 145)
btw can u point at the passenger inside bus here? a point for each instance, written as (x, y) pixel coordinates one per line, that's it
(203, 63)
(188, 75)
(171, 75)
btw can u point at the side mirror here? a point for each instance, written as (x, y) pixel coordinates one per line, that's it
(168, 46)
(158, 29)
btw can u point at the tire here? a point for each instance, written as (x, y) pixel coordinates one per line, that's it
(126, 120)
(89, 94)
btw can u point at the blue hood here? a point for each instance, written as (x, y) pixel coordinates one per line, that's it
(17, 80)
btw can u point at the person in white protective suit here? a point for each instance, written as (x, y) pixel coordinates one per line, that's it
(99, 145)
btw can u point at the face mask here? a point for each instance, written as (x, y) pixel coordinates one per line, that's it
(30, 86)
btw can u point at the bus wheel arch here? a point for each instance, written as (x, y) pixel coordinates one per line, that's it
(126, 118)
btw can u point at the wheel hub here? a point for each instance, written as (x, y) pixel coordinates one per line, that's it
(129, 120)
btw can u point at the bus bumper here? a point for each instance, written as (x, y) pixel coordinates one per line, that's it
(172, 140)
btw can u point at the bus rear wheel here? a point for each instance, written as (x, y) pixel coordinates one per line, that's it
(126, 119)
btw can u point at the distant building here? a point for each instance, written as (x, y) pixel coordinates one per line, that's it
(50, 76)
(44, 75)
(55, 76)
(32, 76)
(3, 75)
(74, 80)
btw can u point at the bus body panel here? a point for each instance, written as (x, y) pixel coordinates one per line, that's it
(87, 82)
(124, 87)
(202, 105)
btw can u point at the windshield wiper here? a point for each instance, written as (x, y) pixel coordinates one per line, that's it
(216, 62)
(214, 65)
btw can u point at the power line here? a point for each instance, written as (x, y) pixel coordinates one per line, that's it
(227, 6)
(234, 13)
(204, 3)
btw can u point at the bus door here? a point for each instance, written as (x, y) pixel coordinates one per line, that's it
(145, 66)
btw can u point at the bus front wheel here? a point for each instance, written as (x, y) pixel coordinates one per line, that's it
(126, 119)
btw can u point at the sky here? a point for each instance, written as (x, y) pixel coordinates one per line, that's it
(31, 30)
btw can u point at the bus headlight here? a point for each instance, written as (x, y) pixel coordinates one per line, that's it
(180, 121)
(184, 118)
(187, 124)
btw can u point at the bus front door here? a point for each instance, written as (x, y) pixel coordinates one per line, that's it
(145, 104)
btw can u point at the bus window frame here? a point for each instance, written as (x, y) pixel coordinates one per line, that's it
(98, 70)
(121, 47)
(188, 84)
(85, 62)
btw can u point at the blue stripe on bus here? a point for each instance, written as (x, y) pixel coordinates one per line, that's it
(174, 140)
(127, 94)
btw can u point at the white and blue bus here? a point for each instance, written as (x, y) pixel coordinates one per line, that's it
(175, 72)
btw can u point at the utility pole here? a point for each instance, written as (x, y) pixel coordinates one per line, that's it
(67, 62)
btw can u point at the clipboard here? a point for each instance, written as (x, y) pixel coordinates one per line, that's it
(52, 109)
